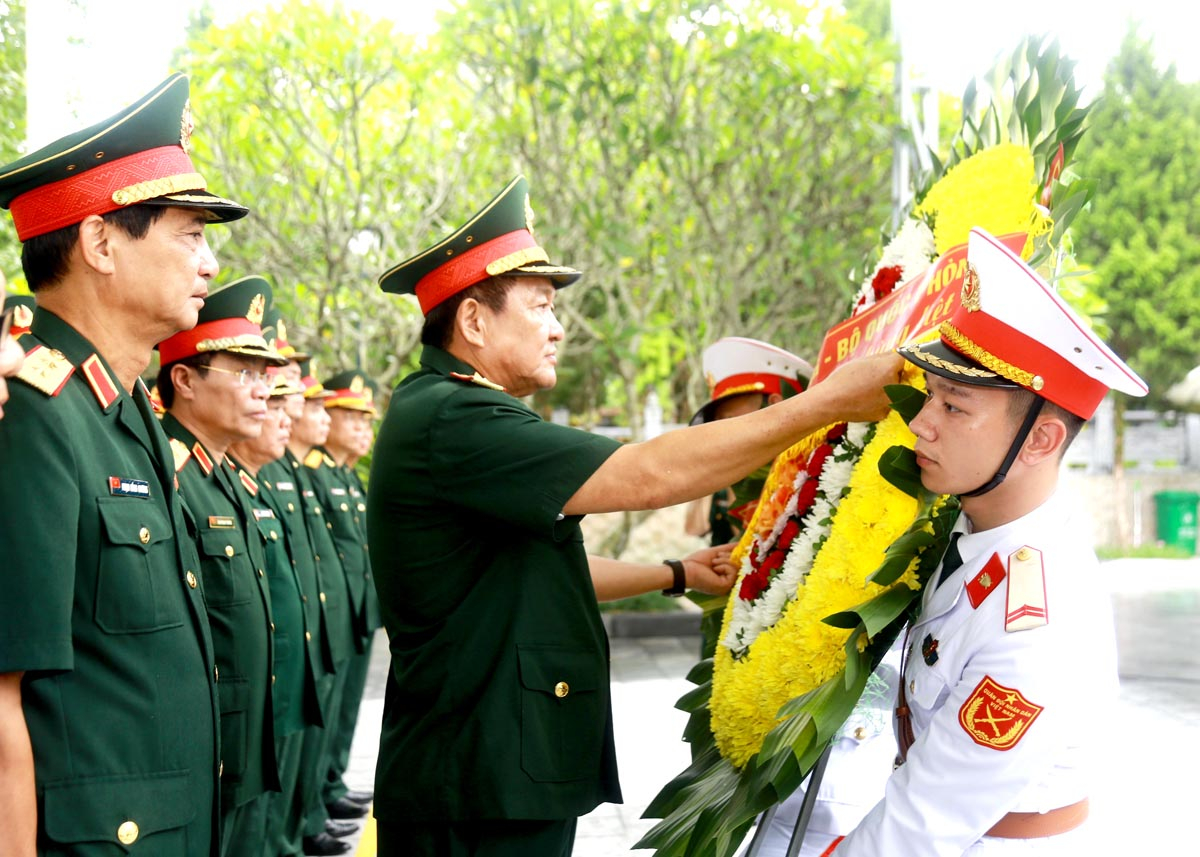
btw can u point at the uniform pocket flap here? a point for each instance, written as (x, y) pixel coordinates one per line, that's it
(118, 809)
(130, 521)
(222, 542)
(560, 670)
(234, 694)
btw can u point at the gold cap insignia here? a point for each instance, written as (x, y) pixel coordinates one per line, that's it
(528, 215)
(970, 289)
(356, 384)
(22, 315)
(711, 380)
(280, 332)
(186, 126)
(257, 307)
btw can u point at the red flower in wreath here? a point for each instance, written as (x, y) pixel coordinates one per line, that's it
(885, 281)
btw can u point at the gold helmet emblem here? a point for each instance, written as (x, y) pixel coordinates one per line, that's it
(970, 289)
(257, 307)
(186, 126)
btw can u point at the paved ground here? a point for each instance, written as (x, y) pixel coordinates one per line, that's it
(1143, 800)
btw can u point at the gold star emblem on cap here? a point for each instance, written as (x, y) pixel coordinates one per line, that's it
(281, 331)
(970, 289)
(257, 307)
(186, 126)
(356, 385)
(529, 218)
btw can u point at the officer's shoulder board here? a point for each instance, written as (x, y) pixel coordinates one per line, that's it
(1026, 607)
(46, 370)
(314, 459)
(181, 453)
(477, 380)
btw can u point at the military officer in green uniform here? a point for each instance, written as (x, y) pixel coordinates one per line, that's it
(214, 385)
(497, 727)
(351, 412)
(108, 692)
(310, 429)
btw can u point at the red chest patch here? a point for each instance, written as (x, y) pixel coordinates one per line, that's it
(982, 585)
(996, 716)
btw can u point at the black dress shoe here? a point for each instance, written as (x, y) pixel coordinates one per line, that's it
(323, 844)
(342, 808)
(340, 829)
(360, 797)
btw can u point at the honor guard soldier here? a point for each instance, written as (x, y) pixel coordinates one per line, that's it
(108, 697)
(1012, 655)
(214, 385)
(332, 601)
(497, 726)
(351, 412)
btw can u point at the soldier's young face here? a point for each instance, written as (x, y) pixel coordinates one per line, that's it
(523, 338)
(963, 433)
(349, 432)
(165, 274)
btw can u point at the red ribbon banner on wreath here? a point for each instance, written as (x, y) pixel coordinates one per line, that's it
(908, 313)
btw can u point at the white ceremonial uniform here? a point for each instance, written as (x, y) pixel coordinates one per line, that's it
(1004, 720)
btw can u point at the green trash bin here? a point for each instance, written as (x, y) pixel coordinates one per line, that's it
(1177, 518)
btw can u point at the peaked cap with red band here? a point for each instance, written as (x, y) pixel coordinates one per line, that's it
(231, 321)
(275, 332)
(351, 390)
(1012, 330)
(736, 365)
(497, 240)
(140, 155)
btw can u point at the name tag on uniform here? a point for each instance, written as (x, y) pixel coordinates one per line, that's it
(263, 514)
(310, 493)
(338, 492)
(221, 522)
(285, 486)
(121, 487)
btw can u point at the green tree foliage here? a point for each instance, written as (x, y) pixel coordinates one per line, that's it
(713, 171)
(316, 117)
(12, 111)
(1141, 233)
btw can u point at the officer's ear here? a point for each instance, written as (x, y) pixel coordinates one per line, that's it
(183, 379)
(1045, 441)
(93, 244)
(471, 322)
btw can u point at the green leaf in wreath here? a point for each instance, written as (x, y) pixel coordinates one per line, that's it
(898, 466)
(906, 401)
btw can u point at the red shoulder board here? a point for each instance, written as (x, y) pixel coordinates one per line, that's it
(478, 380)
(248, 483)
(46, 369)
(98, 379)
(986, 581)
(202, 458)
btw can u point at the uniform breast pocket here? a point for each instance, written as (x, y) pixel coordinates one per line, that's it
(927, 690)
(226, 567)
(563, 712)
(138, 587)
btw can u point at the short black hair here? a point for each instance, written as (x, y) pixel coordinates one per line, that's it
(1022, 400)
(438, 329)
(166, 388)
(44, 258)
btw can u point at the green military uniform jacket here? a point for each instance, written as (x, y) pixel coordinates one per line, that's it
(102, 610)
(337, 624)
(346, 513)
(358, 495)
(296, 653)
(233, 569)
(497, 705)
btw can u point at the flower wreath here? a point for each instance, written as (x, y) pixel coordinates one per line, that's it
(844, 536)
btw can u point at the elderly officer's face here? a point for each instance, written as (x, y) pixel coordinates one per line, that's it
(963, 433)
(312, 428)
(164, 275)
(522, 346)
(233, 407)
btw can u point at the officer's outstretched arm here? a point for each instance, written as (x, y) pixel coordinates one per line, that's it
(683, 465)
(707, 570)
(18, 805)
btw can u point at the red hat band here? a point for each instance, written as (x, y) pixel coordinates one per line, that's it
(471, 267)
(983, 338)
(125, 181)
(752, 382)
(210, 336)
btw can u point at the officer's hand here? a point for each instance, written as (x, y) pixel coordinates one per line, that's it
(858, 386)
(710, 570)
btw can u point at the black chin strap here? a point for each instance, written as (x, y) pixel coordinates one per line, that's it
(1018, 442)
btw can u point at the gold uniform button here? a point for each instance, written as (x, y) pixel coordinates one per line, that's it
(561, 689)
(272, 679)
(191, 579)
(304, 598)
(317, 557)
(228, 550)
(272, 627)
(362, 507)
(221, 769)
(1023, 554)
(144, 538)
(274, 536)
(291, 508)
(216, 673)
(322, 597)
(260, 572)
(127, 833)
(308, 635)
(345, 508)
(860, 733)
